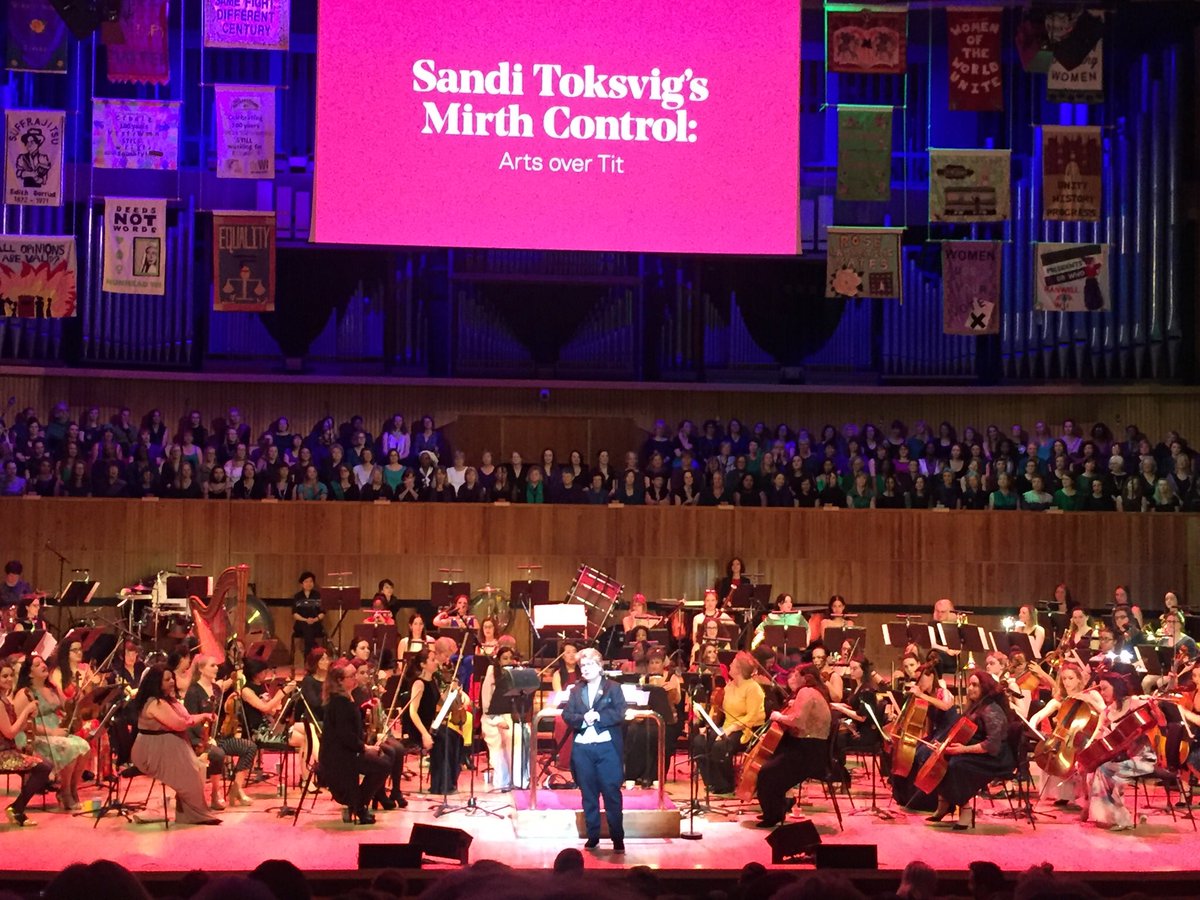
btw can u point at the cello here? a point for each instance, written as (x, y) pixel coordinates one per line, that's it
(934, 769)
(907, 733)
(1137, 723)
(1076, 723)
(756, 758)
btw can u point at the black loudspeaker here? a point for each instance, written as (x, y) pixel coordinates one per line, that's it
(444, 843)
(81, 16)
(848, 856)
(389, 856)
(796, 839)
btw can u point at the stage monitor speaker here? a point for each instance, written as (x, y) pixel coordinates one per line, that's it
(792, 841)
(81, 16)
(848, 856)
(389, 856)
(443, 843)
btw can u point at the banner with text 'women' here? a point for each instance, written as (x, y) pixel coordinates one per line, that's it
(559, 124)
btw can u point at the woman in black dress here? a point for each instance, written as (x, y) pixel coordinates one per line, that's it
(446, 746)
(344, 755)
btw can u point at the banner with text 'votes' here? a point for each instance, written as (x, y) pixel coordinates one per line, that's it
(863, 262)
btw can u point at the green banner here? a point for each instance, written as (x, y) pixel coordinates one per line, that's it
(864, 153)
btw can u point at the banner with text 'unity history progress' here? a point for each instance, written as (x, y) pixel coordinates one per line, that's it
(559, 124)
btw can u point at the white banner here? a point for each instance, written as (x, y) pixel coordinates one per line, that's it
(135, 244)
(33, 156)
(135, 134)
(245, 131)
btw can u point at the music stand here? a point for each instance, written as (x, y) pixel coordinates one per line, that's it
(443, 593)
(260, 650)
(341, 600)
(1008, 641)
(1150, 659)
(520, 683)
(835, 638)
(20, 643)
(528, 593)
(79, 593)
(779, 637)
(742, 597)
(760, 596)
(381, 637)
(85, 635)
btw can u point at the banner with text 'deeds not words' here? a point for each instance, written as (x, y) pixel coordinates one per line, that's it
(863, 262)
(135, 244)
(243, 261)
(971, 287)
(864, 153)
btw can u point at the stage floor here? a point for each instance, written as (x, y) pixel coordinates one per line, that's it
(322, 842)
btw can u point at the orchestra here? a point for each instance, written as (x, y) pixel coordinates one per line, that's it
(1094, 701)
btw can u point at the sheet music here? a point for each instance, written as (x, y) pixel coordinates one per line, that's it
(716, 729)
(445, 710)
(635, 696)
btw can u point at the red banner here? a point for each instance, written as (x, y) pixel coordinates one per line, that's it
(973, 48)
(143, 56)
(865, 41)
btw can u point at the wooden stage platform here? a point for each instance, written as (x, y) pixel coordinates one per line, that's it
(1158, 850)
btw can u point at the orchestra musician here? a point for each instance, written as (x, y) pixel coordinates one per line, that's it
(735, 576)
(711, 612)
(260, 710)
(379, 613)
(1107, 790)
(819, 657)
(835, 615)
(803, 752)
(488, 636)
(1027, 623)
(1171, 602)
(1126, 634)
(506, 738)
(1072, 684)
(13, 760)
(179, 661)
(1078, 636)
(743, 710)
(445, 749)
(162, 749)
(204, 696)
(368, 693)
(595, 711)
(988, 755)
(312, 685)
(14, 588)
(128, 666)
(1121, 599)
(709, 662)
(383, 602)
(638, 616)
(459, 616)
(944, 613)
(910, 664)
(862, 711)
(1183, 650)
(344, 755)
(941, 715)
(997, 665)
(307, 615)
(785, 615)
(415, 640)
(66, 752)
(709, 637)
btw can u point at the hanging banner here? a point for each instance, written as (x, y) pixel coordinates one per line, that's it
(1072, 163)
(864, 153)
(863, 40)
(135, 134)
(245, 131)
(33, 156)
(1071, 277)
(250, 24)
(973, 49)
(135, 232)
(243, 261)
(863, 262)
(969, 185)
(37, 276)
(143, 57)
(37, 37)
(971, 287)
(1077, 73)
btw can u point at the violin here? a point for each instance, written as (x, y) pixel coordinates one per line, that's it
(1074, 726)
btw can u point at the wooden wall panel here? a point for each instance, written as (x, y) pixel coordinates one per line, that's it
(985, 561)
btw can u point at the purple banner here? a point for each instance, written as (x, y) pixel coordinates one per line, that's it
(143, 57)
(971, 287)
(37, 37)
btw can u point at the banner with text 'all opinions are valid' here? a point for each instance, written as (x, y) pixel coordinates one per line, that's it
(37, 276)
(559, 124)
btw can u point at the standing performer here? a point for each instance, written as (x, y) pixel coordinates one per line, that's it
(307, 615)
(595, 710)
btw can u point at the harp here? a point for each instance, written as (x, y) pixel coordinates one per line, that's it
(210, 620)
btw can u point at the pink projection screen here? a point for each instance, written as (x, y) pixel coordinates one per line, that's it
(639, 125)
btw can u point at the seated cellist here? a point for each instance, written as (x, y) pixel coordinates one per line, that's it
(743, 709)
(803, 752)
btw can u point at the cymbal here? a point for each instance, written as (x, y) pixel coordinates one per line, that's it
(488, 589)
